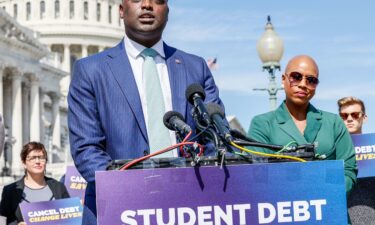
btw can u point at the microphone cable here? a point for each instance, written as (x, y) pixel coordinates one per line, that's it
(286, 146)
(135, 161)
(182, 147)
(132, 163)
(198, 134)
(267, 154)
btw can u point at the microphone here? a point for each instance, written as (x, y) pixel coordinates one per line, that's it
(195, 95)
(217, 117)
(237, 134)
(175, 121)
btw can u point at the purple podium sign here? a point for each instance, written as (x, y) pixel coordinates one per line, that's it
(75, 183)
(364, 145)
(278, 193)
(66, 211)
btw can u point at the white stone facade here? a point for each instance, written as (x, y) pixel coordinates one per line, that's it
(27, 88)
(70, 28)
(36, 73)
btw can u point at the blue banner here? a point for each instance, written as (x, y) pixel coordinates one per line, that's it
(364, 145)
(66, 211)
(279, 193)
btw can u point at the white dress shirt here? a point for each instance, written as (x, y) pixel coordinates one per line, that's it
(133, 51)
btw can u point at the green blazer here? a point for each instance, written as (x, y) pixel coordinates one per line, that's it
(325, 129)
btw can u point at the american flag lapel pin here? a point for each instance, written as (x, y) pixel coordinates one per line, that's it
(178, 61)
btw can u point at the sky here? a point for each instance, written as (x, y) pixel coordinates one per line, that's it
(338, 34)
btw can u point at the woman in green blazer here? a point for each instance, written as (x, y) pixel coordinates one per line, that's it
(298, 120)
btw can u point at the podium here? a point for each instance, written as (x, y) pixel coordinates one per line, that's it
(261, 193)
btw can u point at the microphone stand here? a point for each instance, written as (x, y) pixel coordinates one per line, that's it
(220, 144)
(189, 149)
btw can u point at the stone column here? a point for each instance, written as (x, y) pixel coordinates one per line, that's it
(78, 14)
(16, 121)
(25, 112)
(2, 67)
(116, 15)
(7, 100)
(92, 11)
(50, 9)
(84, 51)
(35, 10)
(65, 81)
(2, 93)
(42, 118)
(21, 10)
(56, 125)
(67, 58)
(64, 9)
(104, 10)
(35, 109)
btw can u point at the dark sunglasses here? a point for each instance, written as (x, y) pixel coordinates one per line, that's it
(354, 115)
(295, 78)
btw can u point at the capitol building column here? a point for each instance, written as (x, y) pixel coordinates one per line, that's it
(35, 11)
(64, 9)
(78, 14)
(25, 112)
(56, 125)
(116, 15)
(42, 118)
(84, 51)
(17, 120)
(66, 67)
(67, 58)
(105, 10)
(92, 10)
(1, 90)
(35, 109)
(50, 9)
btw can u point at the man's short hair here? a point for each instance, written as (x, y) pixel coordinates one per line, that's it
(351, 101)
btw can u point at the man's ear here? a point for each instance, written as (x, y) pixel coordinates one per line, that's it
(364, 118)
(121, 11)
(282, 80)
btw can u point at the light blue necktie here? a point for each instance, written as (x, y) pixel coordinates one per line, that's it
(158, 134)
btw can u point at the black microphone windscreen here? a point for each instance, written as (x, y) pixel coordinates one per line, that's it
(168, 115)
(194, 89)
(214, 108)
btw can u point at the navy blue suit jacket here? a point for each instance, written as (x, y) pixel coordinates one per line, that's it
(105, 115)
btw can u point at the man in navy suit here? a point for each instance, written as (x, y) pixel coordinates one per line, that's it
(107, 99)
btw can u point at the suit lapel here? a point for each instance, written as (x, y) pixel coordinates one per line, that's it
(123, 74)
(177, 79)
(20, 185)
(287, 124)
(314, 122)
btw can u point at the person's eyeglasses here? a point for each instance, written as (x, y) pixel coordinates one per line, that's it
(34, 158)
(354, 115)
(295, 78)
